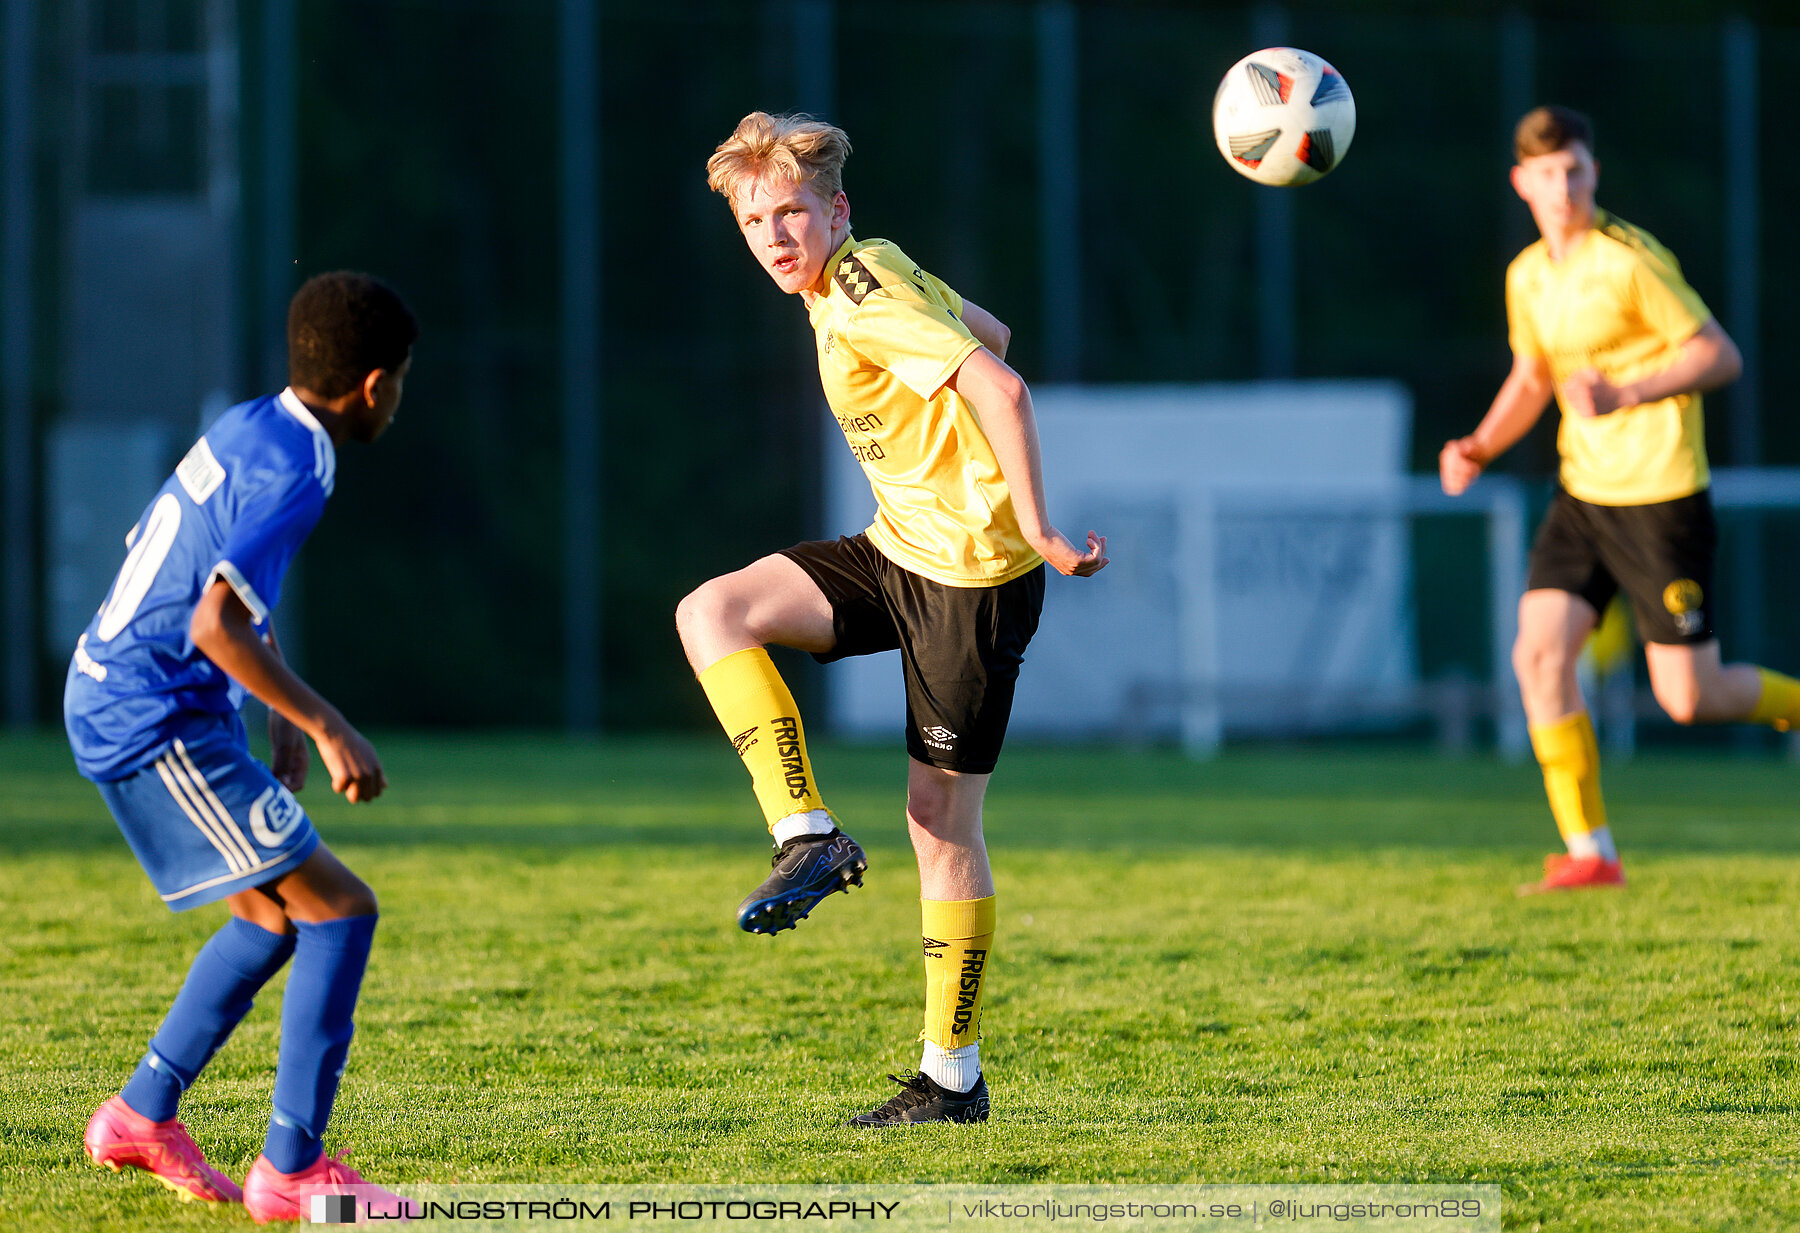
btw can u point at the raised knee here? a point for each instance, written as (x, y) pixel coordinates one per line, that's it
(703, 608)
(690, 611)
(1684, 709)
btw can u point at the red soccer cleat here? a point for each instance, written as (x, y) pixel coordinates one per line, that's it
(119, 1137)
(272, 1195)
(1563, 872)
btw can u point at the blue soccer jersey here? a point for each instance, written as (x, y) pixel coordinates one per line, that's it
(238, 507)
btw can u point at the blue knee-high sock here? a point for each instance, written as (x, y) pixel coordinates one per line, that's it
(329, 959)
(236, 961)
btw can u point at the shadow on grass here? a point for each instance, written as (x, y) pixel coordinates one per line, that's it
(550, 793)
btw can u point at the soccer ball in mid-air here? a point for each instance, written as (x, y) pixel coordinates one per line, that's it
(1283, 117)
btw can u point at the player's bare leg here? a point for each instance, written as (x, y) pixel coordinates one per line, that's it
(943, 820)
(1553, 625)
(771, 600)
(725, 624)
(956, 892)
(1694, 687)
(320, 888)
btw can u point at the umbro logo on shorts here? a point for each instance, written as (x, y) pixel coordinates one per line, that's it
(939, 737)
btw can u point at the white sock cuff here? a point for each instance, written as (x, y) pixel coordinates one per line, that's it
(1603, 843)
(956, 1069)
(1597, 842)
(812, 822)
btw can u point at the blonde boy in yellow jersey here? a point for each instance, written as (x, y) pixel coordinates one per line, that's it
(1600, 317)
(950, 573)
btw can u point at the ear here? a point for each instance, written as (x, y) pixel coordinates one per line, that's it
(371, 385)
(1516, 177)
(840, 210)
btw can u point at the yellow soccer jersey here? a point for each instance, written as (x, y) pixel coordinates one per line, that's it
(1618, 303)
(889, 337)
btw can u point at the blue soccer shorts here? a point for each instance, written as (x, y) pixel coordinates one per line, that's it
(207, 821)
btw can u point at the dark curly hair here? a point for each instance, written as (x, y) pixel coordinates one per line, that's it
(341, 327)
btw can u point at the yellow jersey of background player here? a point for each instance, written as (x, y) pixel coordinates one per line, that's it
(1600, 317)
(1616, 306)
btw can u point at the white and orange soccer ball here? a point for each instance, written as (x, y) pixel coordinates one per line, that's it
(1283, 117)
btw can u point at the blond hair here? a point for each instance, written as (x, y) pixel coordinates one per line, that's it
(803, 150)
(1547, 129)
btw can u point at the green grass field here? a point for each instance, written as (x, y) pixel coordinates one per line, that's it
(1281, 966)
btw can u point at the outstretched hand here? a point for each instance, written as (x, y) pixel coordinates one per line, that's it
(355, 770)
(1459, 465)
(1065, 558)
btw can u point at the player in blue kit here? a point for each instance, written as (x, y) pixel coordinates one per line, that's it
(151, 708)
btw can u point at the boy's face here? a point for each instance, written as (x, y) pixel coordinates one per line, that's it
(790, 230)
(1559, 187)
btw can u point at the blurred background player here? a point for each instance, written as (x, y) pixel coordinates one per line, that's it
(1599, 317)
(950, 572)
(151, 708)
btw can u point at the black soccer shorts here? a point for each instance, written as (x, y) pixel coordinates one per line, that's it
(960, 647)
(1661, 555)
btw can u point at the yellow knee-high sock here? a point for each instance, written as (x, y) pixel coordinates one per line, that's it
(759, 715)
(1570, 758)
(959, 937)
(1779, 706)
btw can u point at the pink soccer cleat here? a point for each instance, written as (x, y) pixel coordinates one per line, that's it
(337, 1191)
(119, 1137)
(1563, 873)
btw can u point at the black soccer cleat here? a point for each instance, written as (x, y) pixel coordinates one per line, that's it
(805, 870)
(922, 1100)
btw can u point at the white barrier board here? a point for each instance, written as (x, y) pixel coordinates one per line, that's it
(1232, 573)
